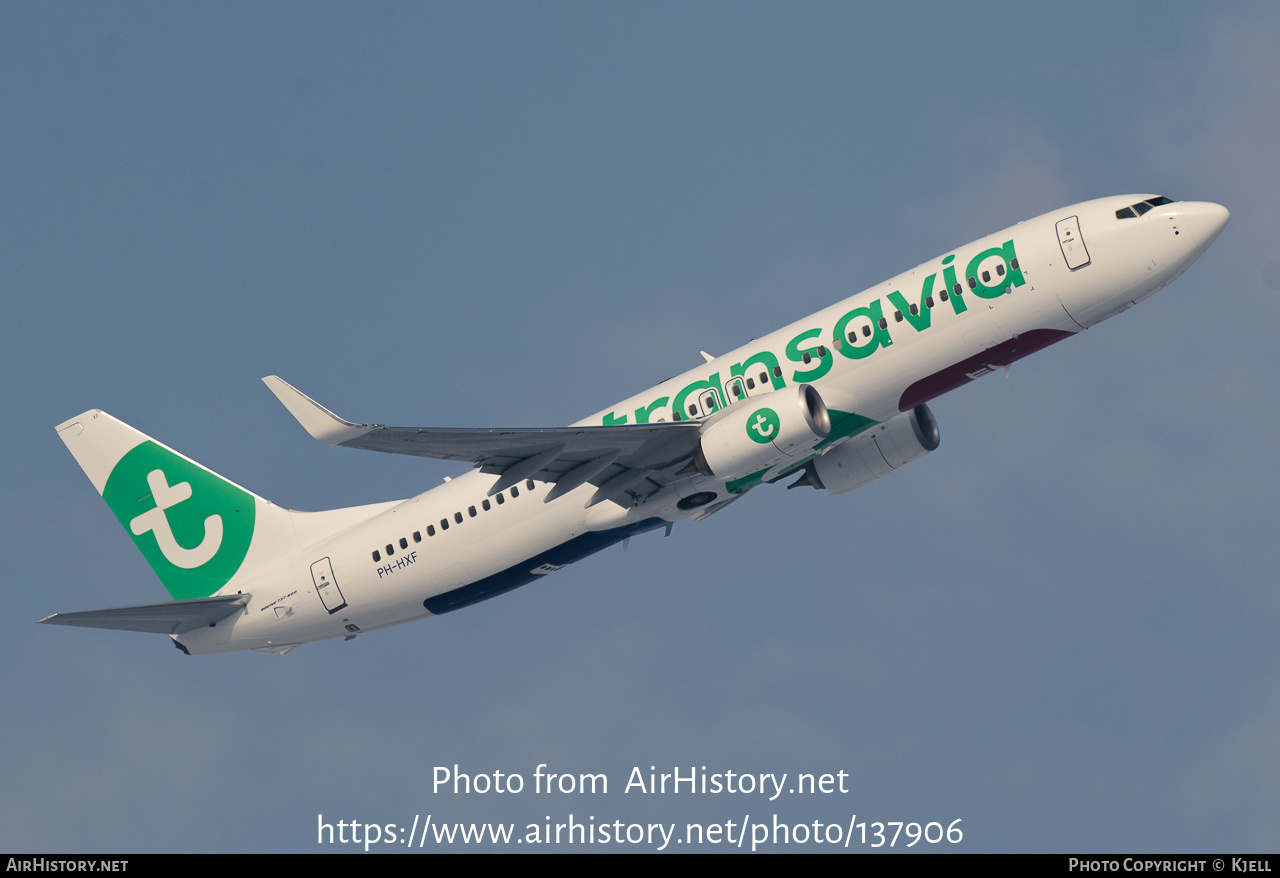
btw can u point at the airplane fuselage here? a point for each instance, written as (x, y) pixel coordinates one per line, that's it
(873, 358)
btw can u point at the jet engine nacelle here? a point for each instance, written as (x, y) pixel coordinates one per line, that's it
(764, 431)
(875, 453)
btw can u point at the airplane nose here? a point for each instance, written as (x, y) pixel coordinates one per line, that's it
(1204, 220)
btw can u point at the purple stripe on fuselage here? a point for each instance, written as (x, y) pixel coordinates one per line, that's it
(979, 364)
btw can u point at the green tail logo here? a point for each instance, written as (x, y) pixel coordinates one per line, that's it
(192, 526)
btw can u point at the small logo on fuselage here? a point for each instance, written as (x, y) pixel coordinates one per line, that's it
(764, 425)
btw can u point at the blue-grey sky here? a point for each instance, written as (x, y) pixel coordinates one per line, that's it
(1059, 628)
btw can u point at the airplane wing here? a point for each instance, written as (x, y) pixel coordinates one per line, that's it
(627, 460)
(170, 617)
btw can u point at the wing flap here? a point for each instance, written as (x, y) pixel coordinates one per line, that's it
(170, 617)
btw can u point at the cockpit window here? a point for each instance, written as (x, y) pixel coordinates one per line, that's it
(1142, 207)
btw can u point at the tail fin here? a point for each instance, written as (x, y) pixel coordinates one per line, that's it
(195, 528)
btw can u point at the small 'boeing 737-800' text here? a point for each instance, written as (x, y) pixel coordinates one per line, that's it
(832, 401)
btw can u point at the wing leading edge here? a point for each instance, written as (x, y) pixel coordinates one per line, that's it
(624, 462)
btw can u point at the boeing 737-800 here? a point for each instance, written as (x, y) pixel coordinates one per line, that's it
(833, 401)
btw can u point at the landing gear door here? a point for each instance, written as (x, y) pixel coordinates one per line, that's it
(1073, 249)
(327, 586)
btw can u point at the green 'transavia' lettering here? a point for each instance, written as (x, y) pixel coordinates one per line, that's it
(923, 316)
(1001, 278)
(856, 340)
(679, 403)
(858, 333)
(955, 292)
(797, 354)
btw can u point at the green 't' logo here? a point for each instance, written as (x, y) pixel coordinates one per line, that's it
(764, 426)
(193, 527)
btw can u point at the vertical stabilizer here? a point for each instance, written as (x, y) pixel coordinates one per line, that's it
(196, 529)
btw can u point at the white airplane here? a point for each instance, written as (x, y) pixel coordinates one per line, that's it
(835, 400)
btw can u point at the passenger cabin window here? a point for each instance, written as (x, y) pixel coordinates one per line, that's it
(404, 544)
(377, 556)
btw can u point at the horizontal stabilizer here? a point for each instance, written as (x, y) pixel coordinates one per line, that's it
(170, 617)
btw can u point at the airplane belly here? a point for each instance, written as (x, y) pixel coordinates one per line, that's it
(534, 568)
(987, 360)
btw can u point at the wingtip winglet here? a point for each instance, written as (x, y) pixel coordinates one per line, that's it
(315, 418)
